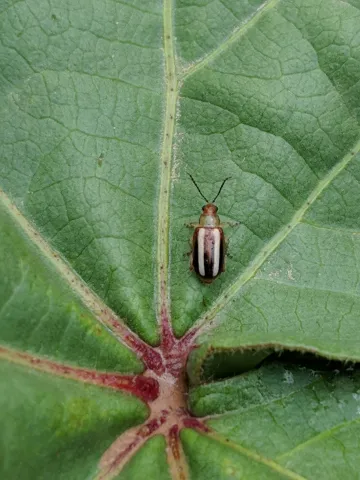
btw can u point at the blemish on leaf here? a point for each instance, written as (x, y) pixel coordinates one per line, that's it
(288, 377)
(100, 159)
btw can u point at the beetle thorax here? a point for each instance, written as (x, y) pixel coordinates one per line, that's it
(210, 217)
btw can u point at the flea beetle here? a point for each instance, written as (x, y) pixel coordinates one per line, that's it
(208, 241)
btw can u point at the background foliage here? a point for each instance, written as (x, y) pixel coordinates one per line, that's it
(266, 92)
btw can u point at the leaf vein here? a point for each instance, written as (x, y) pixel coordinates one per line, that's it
(254, 456)
(239, 32)
(319, 437)
(304, 287)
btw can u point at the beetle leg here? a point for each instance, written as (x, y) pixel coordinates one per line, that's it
(191, 225)
(230, 224)
(189, 253)
(224, 263)
(191, 262)
(227, 254)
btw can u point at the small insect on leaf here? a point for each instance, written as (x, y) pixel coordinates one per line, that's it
(208, 241)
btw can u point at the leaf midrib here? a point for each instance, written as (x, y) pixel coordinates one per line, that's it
(171, 93)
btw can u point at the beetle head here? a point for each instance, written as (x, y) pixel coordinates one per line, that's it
(210, 209)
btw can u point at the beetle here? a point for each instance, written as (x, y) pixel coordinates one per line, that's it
(208, 246)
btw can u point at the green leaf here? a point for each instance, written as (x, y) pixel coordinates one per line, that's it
(40, 314)
(106, 107)
(55, 428)
(280, 421)
(151, 459)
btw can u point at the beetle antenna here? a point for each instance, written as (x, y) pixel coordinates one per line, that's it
(223, 183)
(206, 200)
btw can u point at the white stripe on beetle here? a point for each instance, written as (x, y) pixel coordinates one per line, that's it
(216, 240)
(201, 250)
